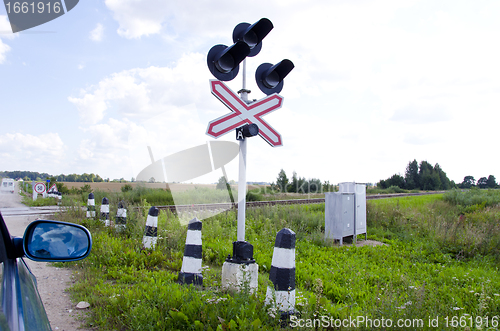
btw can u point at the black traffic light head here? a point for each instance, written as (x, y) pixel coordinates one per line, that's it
(270, 77)
(247, 131)
(224, 62)
(253, 34)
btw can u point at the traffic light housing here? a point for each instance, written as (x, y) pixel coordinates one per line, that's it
(224, 62)
(253, 34)
(270, 77)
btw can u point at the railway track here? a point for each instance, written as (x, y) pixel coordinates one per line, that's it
(253, 204)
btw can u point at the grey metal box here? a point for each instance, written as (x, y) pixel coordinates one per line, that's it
(345, 212)
(360, 198)
(339, 215)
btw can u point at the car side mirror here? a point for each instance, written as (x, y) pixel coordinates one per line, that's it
(53, 241)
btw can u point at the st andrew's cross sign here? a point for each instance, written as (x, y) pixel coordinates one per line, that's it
(242, 113)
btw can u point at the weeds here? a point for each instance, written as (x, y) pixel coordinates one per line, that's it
(437, 261)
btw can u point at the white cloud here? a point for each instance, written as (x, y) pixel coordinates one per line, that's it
(29, 151)
(98, 33)
(143, 92)
(91, 107)
(139, 18)
(133, 109)
(5, 30)
(121, 146)
(3, 50)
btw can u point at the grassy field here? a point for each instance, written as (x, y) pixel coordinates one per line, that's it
(116, 187)
(438, 270)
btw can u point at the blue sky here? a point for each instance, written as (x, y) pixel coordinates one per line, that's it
(376, 84)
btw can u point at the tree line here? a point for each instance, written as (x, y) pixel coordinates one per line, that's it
(36, 176)
(483, 182)
(426, 177)
(300, 185)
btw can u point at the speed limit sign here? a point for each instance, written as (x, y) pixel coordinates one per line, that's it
(39, 187)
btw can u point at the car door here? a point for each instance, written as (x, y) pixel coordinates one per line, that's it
(21, 307)
(3, 258)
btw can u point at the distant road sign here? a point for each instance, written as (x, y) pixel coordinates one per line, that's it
(39, 187)
(53, 188)
(242, 114)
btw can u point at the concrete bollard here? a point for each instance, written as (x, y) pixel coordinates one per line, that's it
(105, 211)
(191, 262)
(91, 206)
(121, 217)
(151, 233)
(282, 273)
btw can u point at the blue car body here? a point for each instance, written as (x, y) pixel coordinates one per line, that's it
(21, 307)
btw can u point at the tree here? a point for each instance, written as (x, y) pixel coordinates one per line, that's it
(394, 180)
(314, 186)
(468, 182)
(294, 185)
(302, 185)
(411, 176)
(382, 184)
(327, 187)
(282, 181)
(222, 184)
(429, 179)
(491, 182)
(482, 182)
(444, 180)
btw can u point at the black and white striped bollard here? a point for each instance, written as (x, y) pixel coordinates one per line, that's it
(151, 232)
(91, 206)
(105, 211)
(121, 217)
(282, 273)
(191, 262)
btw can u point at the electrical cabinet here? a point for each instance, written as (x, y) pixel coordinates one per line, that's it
(345, 212)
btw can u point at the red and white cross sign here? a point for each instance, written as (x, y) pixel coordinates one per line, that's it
(242, 113)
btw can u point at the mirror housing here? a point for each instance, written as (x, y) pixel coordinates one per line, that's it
(54, 241)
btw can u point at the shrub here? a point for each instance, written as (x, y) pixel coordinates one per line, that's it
(127, 188)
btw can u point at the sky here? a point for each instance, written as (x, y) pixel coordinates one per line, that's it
(376, 84)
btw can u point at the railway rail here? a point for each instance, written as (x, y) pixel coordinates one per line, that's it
(253, 204)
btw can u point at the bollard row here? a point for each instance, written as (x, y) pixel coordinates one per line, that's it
(282, 275)
(121, 213)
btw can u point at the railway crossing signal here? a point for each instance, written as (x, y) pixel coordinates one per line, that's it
(246, 117)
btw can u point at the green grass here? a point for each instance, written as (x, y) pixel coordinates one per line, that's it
(436, 261)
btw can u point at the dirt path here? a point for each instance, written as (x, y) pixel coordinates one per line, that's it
(52, 281)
